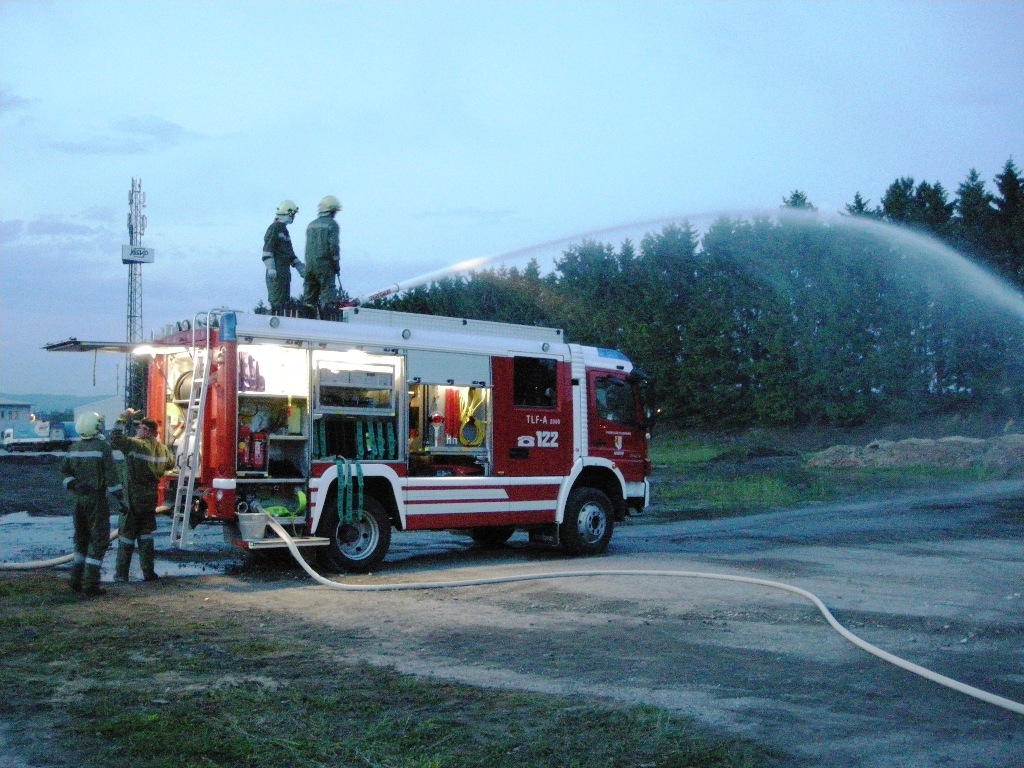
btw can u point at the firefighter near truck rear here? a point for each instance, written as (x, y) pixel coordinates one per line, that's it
(350, 429)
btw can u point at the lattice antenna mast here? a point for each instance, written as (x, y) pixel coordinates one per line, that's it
(136, 228)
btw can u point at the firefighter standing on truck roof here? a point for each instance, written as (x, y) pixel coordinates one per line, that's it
(146, 461)
(279, 257)
(323, 254)
(90, 474)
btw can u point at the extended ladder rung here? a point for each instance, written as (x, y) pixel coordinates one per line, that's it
(190, 446)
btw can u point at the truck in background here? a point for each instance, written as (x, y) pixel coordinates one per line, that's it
(39, 435)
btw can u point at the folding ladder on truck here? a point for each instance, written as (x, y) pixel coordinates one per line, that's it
(190, 445)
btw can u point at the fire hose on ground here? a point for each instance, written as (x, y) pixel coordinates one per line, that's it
(956, 685)
(51, 563)
(948, 682)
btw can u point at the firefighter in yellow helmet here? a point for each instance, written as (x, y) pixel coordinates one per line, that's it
(279, 257)
(146, 461)
(323, 256)
(89, 473)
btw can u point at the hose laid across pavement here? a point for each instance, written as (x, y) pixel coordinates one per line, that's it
(34, 564)
(956, 685)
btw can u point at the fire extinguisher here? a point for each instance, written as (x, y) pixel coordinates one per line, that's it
(437, 424)
(244, 447)
(259, 450)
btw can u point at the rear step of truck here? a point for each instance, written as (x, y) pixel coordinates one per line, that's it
(275, 542)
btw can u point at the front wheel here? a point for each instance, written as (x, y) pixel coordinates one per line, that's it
(361, 545)
(588, 524)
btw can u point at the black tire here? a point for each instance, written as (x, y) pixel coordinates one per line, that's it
(357, 547)
(589, 521)
(492, 537)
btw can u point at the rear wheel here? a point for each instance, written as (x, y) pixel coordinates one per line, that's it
(359, 546)
(588, 524)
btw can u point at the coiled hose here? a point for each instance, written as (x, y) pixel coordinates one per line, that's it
(956, 685)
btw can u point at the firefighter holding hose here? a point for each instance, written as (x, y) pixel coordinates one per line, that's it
(323, 256)
(146, 461)
(90, 474)
(279, 257)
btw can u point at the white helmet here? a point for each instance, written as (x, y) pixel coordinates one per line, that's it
(287, 208)
(89, 425)
(329, 204)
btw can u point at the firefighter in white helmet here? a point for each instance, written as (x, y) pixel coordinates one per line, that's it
(146, 461)
(279, 257)
(90, 474)
(323, 256)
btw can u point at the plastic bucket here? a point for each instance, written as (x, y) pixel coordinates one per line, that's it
(252, 525)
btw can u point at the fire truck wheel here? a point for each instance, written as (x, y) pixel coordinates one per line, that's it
(588, 522)
(360, 546)
(491, 538)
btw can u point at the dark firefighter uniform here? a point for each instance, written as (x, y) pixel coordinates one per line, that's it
(89, 473)
(278, 257)
(146, 460)
(323, 251)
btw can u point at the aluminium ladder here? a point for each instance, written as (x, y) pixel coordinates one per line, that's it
(190, 446)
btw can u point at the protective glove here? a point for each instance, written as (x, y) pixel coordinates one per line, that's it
(72, 484)
(299, 267)
(271, 269)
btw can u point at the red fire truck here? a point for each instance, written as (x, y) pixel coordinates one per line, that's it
(387, 420)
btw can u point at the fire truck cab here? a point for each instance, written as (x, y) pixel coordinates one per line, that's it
(393, 421)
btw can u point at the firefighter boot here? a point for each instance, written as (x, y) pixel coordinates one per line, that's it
(91, 579)
(147, 558)
(77, 567)
(124, 559)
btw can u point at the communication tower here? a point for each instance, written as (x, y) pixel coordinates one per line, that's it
(135, 255)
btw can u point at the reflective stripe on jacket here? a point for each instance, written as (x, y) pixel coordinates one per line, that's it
(90, 464)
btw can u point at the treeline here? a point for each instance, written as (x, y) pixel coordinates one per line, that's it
(793, 318)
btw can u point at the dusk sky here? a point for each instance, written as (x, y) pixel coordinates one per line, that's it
(449, 130)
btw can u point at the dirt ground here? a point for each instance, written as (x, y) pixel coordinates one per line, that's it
(936, 580)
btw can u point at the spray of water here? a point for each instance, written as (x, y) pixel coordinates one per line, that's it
(518, 254)
(936, 265)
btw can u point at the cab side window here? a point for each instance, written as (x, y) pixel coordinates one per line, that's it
(534, 382)
(615, 401)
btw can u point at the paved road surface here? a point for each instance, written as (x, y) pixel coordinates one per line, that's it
(938, 581)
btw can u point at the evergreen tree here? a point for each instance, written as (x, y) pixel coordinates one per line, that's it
(798, 200)
(974, 221)
(898, 201)
(925, 207)
(1009, 224)
(660, 281)
(860, 207)
(589, 297)
(932, 208)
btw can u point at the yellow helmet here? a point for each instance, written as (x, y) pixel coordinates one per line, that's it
(89, 425)
(329, 204)
(287, 208)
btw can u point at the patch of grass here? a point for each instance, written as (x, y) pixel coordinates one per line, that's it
(696, 480)
(140, 682)
(744, 492)
(682, 455)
